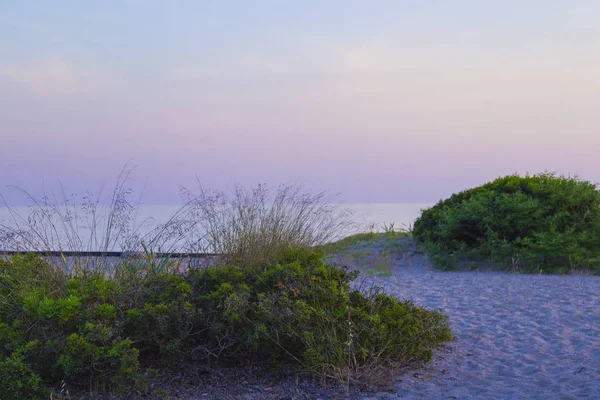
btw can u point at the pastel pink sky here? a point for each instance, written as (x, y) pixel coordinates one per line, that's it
(383, 101)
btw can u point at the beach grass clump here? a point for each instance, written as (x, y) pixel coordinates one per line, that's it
(93, 332)
(101, 223)
(535, 223)
(258, 225)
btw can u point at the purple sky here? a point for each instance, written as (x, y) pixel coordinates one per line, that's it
(383, 101)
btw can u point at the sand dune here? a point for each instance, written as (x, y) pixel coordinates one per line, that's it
(516, 336)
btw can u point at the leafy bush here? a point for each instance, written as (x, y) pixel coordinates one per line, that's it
(534, 223)
(18, 381)
(53, 327)
(104, 333)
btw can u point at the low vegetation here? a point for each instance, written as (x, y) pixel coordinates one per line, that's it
(374, 253)
(388, 241)
(539, 223)
(271, 298)
(96, 333)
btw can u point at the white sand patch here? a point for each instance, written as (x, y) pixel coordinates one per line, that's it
(516, 336)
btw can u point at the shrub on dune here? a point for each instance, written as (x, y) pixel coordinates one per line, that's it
(99, 333)
(534, 223)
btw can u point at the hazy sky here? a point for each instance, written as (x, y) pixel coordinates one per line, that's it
(383, 101)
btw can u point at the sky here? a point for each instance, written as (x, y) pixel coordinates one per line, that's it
(380, 101)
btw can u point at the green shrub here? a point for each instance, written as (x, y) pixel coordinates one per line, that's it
(100, 333)
(304, 311)
(18, 381)
(55, 328)
(541, 222)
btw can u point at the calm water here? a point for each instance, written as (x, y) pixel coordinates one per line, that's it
(367, 216)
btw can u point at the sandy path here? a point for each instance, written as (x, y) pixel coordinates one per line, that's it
(516, 336)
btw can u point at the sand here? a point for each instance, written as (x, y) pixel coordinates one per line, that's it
(517, 336)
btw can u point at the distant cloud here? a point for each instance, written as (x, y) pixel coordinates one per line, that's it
(309, 56)
(191, 73)
(55, 76)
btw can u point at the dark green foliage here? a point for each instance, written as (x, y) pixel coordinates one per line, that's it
(18, 381)
(102, 333)
(54, 328)
(541, 222)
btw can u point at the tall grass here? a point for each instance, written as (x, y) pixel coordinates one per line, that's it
(247, 225)
(98, 223)
(258, 225)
